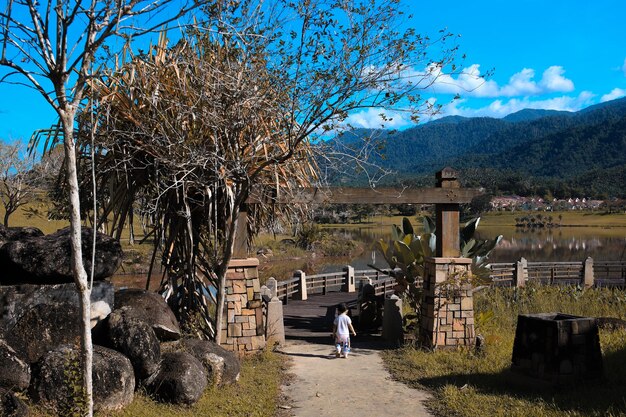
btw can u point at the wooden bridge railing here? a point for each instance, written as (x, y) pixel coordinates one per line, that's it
(588, 273)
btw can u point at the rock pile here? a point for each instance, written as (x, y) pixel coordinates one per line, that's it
(137, 337)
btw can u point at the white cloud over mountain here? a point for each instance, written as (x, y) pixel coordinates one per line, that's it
(469, 82)
(615, 93)
(501, 108)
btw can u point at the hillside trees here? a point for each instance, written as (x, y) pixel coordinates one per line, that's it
(51, 46)
(237, 110)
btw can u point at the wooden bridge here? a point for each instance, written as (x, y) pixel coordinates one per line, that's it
(311, 318)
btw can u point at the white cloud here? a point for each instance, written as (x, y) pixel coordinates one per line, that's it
(372, 119)
(615, 93)
(521, 84)
(469, 82)
(501, 108)
(553, 80)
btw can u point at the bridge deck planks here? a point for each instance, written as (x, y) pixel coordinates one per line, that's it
(312, 320)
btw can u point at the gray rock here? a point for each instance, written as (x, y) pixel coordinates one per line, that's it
(136, 340)
(38, 318)
(42, 328)
(14, 372)
(9, 234)
(150, 308)
(113, 379)
(46, 259)
(180, 380)
(11, 406)
(222, 365)
(56, 380)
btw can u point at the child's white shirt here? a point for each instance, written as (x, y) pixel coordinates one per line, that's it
(342, 322)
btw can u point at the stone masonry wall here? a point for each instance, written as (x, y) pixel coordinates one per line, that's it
(447, 312)
(242, 330)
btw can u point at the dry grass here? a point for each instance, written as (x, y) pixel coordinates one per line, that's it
(469, 384)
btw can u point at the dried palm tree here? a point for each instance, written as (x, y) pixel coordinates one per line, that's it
(188, 131)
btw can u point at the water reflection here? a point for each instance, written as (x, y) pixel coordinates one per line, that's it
(563, 244)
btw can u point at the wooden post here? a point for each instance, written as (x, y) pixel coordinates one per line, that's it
(349, 284)
(240, 249)
(302, 292)
(448, 240)
(588, 277)
(520, 272)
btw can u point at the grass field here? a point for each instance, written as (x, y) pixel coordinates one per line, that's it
(466, 383)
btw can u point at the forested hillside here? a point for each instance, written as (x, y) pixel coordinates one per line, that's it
(582, 153)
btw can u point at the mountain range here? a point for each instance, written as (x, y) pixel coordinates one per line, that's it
(557, 152)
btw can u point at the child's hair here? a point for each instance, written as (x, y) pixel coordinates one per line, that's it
(342, 308)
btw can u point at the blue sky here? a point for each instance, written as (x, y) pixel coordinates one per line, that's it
(563, 55)
(549, 54)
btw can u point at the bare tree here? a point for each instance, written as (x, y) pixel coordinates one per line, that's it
(51, 46)
(15, 177)
(238, 109)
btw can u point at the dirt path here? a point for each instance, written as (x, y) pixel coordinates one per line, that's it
(358, 386)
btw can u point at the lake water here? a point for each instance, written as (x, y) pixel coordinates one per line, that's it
(558, 244)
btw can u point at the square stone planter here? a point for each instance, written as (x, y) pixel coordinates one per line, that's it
(556, 347)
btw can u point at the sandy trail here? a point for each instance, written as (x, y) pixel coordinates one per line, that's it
(358, 386)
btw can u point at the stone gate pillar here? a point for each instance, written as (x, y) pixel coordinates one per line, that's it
(447, 311)
(243, 330)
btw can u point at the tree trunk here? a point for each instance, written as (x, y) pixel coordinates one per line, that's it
(221, 293)
(78, 269)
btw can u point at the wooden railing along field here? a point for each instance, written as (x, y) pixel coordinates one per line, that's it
(588, 273)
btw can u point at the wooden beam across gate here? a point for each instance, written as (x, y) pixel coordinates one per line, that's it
(446, 197)
(336, 195)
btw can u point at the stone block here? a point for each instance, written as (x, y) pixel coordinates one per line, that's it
(241, 319)
(239, 287)
(454, 307)
(248, 311)
(467, 314)
(231, 315)
(467, 303)
(458, 334)
(458, 325)
(248, 332)
(250, 293)
(258, 342)
(255, 304)
(234, 330)
(259, 319)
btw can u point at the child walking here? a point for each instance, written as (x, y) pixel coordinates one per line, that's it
(342, 327)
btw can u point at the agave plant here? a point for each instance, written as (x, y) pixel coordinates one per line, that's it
(406, 253)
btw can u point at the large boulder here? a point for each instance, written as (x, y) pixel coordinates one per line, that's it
(35, 319)
(11, 406)
(180, 379)
(9, 234)
(113, 379)
(46, 259)
(14, 372)
(150, 308)
(136, 340)
(222, 365)
(56, 380)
